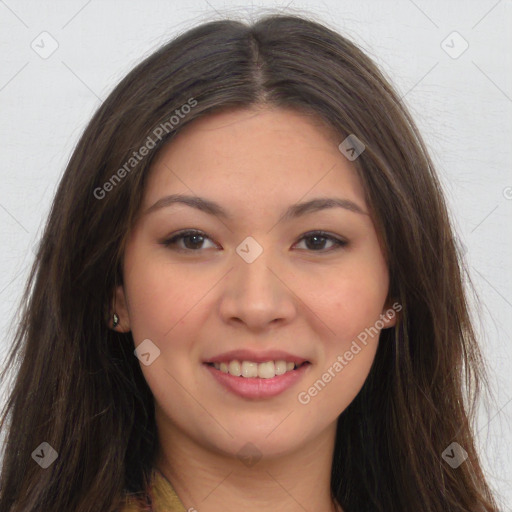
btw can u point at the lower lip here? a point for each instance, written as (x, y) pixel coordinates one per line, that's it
(255, 387)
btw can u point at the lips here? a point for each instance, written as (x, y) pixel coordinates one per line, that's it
(257, 375)
(254, 387)
(256, 357)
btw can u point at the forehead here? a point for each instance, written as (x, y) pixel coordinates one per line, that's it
(266, 129)
(255, 153)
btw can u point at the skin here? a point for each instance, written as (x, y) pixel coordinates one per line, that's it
(309, 300)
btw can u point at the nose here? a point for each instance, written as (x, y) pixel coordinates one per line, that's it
(258, 294)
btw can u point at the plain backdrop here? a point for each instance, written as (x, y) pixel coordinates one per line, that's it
(449, 60)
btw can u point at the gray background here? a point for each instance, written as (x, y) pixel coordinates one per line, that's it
(461, 100)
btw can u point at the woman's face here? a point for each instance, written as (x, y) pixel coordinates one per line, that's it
(256, 285)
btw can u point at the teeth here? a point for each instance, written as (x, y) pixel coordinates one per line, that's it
(250, 369)
(281, 367)
(266, 370)
(235, 368)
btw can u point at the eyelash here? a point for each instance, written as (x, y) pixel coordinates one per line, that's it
(185, 234)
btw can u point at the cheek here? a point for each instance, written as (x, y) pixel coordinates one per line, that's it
(161, 295)
(340, 383)
(346, 358)
(351, 307)
(350, 300)
(351, 356)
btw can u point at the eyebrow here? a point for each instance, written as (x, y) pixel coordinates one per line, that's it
(293, 211)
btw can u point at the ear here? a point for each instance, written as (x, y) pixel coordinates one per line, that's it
(390, 313)
(119, 307)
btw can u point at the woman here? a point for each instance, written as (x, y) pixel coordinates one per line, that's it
(247, 296)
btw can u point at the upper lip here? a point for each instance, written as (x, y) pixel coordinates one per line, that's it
(256, 357)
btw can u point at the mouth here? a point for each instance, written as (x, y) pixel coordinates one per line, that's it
(253, 369)
(254, 380)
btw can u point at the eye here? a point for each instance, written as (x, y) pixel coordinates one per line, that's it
(194, 241)
(319, 238)
(196, 238)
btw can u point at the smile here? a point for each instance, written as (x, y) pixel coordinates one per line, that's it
(254, 380)
(248, 369)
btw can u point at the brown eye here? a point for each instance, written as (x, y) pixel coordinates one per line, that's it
(193, 240)
(318, 240)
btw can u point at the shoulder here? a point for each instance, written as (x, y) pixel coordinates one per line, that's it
(163, 495)
(131, 507)
(131, 504)
(136, 502)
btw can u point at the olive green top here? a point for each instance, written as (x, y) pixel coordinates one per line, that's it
(164, 497)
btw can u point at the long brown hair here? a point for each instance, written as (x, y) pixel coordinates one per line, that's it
(79, 387)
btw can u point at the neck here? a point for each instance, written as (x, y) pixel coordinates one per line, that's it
(210, 481)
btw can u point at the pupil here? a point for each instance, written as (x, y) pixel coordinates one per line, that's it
(317, 238)
(194, 243)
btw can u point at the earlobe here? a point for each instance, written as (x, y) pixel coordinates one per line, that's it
(390, 314)
(121, 322)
